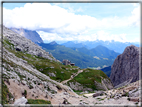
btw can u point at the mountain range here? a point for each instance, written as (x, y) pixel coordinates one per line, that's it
(82, 57)
(112, 45)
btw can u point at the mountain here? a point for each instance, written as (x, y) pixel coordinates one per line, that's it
(99, 51)
(126, 66)
(73, 44)
(53, 43)
(112, 45)
(32, 75)
(80, 59)
(29, 34)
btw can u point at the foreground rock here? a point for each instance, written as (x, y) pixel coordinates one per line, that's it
(21, 100)
(98, 94)
(126, 66)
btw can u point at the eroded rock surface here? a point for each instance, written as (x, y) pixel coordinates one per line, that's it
(126, 66)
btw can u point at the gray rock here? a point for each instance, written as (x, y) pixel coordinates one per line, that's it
(126, 66)
(23, 82)
(98, 93)
(21, 100)
(134, 93)
(65, 93)
(52, 74)
(134, 99)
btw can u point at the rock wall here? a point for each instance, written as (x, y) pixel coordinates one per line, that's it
(126, 66)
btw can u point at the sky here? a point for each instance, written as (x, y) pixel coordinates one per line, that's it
(63, 22)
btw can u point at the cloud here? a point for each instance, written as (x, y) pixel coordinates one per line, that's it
(135, 18)
(54, 22)
(100, 35)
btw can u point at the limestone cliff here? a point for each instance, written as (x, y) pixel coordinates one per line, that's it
(126, 66)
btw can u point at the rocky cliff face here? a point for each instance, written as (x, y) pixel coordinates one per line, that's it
(32, 35)
(126, 66)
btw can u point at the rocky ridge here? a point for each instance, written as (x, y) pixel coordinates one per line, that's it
(126, 66)
(25, 45)
(29, 34)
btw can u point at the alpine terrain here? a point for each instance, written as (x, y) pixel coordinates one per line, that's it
(31, 75)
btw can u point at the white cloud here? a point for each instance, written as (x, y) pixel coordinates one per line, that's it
(56, 23)
(100, 35)
(135, 18)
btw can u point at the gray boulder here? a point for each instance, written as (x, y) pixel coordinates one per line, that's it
(98, 93)
(21, 100)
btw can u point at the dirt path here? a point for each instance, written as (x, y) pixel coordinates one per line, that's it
(72, 76)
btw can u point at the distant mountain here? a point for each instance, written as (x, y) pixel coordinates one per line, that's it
(80, 59)
(53, 43)
(100, 51)
(73, 44)
(112, 45)
(29, 34)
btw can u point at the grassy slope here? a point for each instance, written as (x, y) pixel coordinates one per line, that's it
(88, 76)
(38, 101)
(43, 65)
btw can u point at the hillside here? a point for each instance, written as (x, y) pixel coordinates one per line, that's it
(80, 59)
(99, 51)
(85, 81)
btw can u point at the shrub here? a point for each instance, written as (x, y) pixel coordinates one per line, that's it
(25, 93)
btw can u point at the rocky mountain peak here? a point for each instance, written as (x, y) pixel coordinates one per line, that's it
(126, 66)
(53, 43)
(29, 34)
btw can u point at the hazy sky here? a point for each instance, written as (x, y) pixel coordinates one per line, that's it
(76, 21)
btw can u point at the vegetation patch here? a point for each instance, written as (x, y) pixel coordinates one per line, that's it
(7, 97)
(86, 79)
(38, 101)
